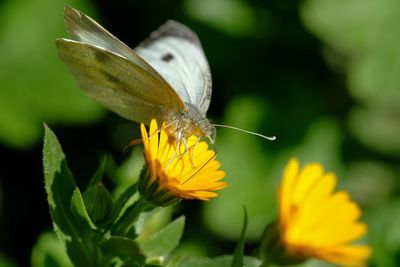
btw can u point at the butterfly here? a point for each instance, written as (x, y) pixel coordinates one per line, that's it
(166, 77)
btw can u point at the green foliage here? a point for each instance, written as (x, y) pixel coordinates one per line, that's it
(122, 247)
(88, 241)
(165, 240)
(5, 262)
(78, 207)
(98, 175)
(36, 87)
(365, 34)
(371, 182)
(73, 231)
(222, 261)
(384, 232)
(48, 252)
(238, 256)
(355, 27)
(246, 176)
(237, 19)
(377, 127)
(105, 244)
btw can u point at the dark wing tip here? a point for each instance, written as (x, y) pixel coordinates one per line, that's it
(75, 21)
(172, 28)
(177, 29)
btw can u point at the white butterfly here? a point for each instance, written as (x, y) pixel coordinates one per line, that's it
(166, 78)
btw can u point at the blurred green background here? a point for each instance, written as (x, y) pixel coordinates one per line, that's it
(321, 75)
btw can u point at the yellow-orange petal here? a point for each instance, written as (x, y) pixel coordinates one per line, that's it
(286, 188)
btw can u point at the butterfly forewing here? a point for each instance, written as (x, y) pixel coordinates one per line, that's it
(176, 53)
(112, 73)
(84, 29)
(117, 83)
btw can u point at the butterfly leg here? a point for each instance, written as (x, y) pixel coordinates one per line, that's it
(176, 153)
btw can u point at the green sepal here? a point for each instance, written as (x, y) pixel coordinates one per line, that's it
(274, 251)
(150, 189)
(238, 256)
(99, 204)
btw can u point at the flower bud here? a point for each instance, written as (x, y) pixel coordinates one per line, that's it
(99, 203)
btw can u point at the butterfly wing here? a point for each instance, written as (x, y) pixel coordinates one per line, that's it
(113, 74)
(176, 53)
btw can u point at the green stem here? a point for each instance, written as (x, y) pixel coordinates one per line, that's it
(124, 224)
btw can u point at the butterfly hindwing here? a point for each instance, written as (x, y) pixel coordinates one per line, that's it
(176, 53)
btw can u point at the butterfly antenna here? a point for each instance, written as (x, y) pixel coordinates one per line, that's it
(271, 138)
(210, 139)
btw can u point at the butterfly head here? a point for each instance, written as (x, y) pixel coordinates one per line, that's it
(189, 122)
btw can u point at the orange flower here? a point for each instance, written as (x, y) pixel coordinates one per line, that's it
(316, 222)
(189, 171)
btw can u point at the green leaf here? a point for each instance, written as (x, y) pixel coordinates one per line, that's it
(151, 221)
(60, 186)
(122, 246)
(239, 251)
(221, 261)
(78, 207)
(48, 252)
(174, 262)
(164, 241)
